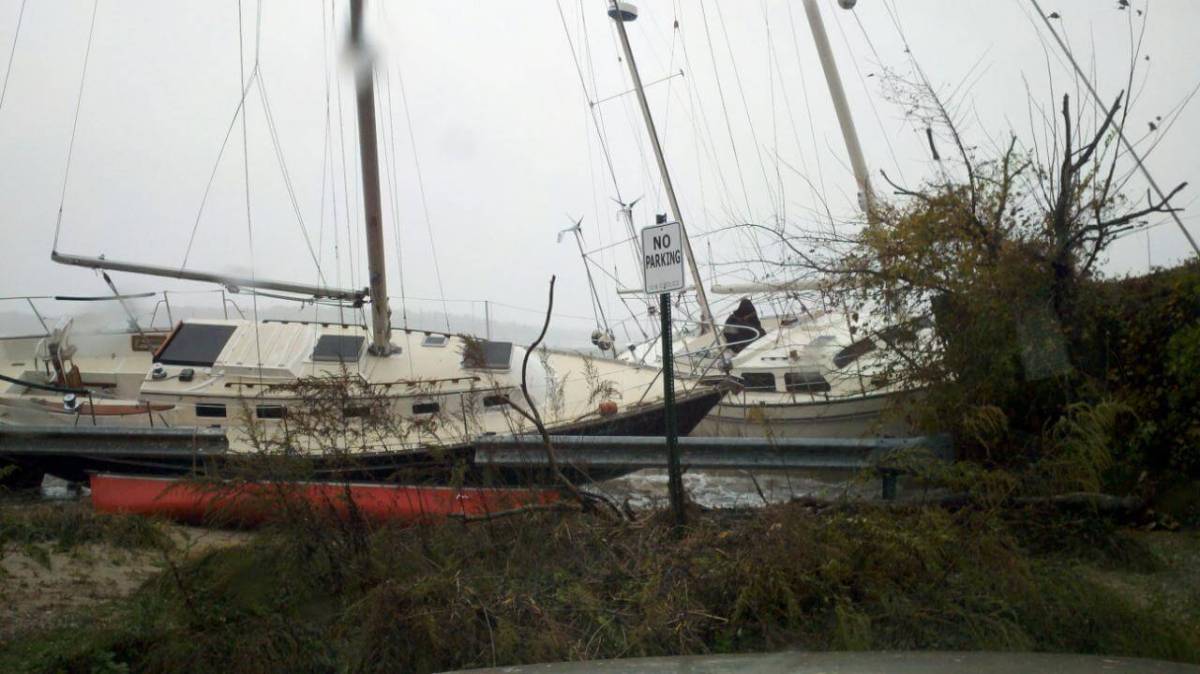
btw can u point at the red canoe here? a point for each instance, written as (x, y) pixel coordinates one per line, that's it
(255, 503)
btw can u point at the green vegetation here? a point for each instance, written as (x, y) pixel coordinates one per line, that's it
(69, 525)
(547, 587)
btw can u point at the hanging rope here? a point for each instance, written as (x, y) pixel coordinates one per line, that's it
(87, 53)
(11, 54)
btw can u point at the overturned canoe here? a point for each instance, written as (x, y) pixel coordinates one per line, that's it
(251, 503)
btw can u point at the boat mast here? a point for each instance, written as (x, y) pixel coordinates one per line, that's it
(364, 85)
(620, 13)
(838, 94)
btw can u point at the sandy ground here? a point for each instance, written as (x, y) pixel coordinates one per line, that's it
(1174, 588)
(43, 587)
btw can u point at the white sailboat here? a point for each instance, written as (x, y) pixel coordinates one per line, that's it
(804, 373)
(434, 393)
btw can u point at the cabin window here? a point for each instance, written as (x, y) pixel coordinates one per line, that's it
(805, 382)
(351, 411)
(899, 334)
(270, 412)
(481, 354)
(426, 408)
(210, 410)
(435, 340)
(495, 401)
(758, 381)
(853, 352)
(338, 349)
(195, 345)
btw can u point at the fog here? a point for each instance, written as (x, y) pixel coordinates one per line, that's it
(493, 111)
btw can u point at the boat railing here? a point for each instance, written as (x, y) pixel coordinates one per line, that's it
(135, 309)
(51, 388)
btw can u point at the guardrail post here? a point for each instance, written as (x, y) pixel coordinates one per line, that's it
(889, 484)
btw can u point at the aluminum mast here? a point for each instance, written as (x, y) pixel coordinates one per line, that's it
(620, 13)
(364, 85)
(838, 94)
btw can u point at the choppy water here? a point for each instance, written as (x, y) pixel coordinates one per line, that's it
(736, 488)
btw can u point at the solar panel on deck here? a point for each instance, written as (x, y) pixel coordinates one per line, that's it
(338, 348)
(195, 344)
(488, 355)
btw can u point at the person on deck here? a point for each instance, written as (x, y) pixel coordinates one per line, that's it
(742, 327)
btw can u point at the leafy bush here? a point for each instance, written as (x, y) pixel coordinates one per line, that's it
(546, 587)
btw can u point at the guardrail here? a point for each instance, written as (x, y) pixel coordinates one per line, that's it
(637, 452)
(101, 440)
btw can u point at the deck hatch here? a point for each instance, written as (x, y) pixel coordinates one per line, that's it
(196, 344)
(486, 355)
(435, 340)
(338, 349)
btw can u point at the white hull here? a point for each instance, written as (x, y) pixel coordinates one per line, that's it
(852, 417)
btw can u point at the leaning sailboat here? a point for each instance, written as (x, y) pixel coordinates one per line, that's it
(803, 372)
(426, 396)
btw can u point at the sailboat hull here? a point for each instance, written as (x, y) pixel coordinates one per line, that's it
(75, 461)
(851, 417)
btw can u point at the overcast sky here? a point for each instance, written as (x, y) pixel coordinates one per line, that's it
(503, 136)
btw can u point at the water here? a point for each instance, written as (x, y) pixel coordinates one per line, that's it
(736, 488)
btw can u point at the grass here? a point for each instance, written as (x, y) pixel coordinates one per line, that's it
(68, 525)
(569, 587)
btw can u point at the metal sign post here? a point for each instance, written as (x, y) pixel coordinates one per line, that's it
(662, 264)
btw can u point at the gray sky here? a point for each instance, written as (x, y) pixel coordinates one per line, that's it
(505, 144)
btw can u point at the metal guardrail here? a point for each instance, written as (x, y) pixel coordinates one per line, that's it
(100, 440)
(637, 452)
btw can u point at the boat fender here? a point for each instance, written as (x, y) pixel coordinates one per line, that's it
(608, 408)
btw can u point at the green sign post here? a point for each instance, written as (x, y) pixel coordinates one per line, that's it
(662, 257)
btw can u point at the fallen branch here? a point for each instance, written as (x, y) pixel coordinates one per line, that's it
(531, 508)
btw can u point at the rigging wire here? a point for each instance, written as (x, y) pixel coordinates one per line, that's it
(737, 77)
(711, 148)
(389, 165)
(87, 54)
(287, 178)
(598, 124)
(412, 138)
(246, 171)
(237, 110)
(346, 198)
(812, 129)
(12, 52)
(862, 79)
(725, 110)
(597, 117)
(333, 206)
(324, 153)
(781, 207)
